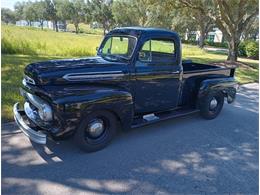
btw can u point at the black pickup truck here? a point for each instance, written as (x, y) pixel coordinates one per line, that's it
(137, 78)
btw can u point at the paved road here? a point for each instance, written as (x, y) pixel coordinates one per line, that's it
(185, 155)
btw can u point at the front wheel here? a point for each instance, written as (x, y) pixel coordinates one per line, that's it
(96, 131)
(211, 104)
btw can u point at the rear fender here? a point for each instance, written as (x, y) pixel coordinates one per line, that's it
(228, 86)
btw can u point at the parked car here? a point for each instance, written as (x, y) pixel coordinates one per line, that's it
(137, 78)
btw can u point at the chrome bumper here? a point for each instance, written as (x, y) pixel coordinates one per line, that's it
(34, 135)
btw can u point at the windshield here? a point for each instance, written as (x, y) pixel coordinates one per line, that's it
(118, 47)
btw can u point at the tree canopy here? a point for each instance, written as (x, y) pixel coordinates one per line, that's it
(235, 18)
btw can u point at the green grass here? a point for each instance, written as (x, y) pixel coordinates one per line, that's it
(27, 46)
(33, 41)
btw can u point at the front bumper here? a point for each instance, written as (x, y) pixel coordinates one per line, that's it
(33, 134)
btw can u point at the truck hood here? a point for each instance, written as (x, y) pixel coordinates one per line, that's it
(75, 70)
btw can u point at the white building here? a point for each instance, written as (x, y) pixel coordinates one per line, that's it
(46, 24)
(215, 36)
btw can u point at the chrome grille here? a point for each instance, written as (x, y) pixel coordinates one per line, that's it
(29, 80)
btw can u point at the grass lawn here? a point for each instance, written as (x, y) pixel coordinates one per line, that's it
(30, 45)
(33, 41)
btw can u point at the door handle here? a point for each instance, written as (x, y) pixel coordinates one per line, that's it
(176, 72)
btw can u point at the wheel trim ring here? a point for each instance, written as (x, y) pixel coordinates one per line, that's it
(96, 128)
(213, 104)
(102, 136)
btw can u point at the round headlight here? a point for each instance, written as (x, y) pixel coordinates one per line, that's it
(45, 113)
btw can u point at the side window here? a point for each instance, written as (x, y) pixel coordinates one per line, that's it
(157, 50)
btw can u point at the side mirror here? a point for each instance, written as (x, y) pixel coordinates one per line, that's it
(141, 55)
(144, 56)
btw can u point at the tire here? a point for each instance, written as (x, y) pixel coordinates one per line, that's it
(210, 110)
(91, 141)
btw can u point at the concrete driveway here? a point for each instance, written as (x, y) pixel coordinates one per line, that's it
(185, 155)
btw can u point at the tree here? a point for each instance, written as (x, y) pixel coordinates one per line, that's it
(232, 17)
(125, 13)
(101, 12)
(157, 16)
(30, 12)
(19, 10)
(73, 11)
(132, 13)
(41, 12)
(51, 10)
(7, 16)
(142, 7)
(204, 23)
(182, 22)
(252, 32)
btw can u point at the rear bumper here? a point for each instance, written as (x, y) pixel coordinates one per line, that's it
(33, 134)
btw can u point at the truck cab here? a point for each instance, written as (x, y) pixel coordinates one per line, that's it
(137, 78)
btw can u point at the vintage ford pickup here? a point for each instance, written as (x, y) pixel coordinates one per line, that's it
(137, 78)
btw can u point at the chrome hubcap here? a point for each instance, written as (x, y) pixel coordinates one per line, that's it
(96, 128)
(213, 103)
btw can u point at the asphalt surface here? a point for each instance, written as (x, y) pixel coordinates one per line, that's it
(184, 155)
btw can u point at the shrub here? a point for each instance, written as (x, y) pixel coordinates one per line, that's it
(249, 48)
(252, 49)
(242, 49)
(220, 45)
(191, 42)
(209, 43)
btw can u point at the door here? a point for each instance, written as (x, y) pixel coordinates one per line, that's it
(157, 76)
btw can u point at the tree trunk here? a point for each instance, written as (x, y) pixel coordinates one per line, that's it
(201, 40)
(65, 26)
(56, 26)
(53, 25)
(76, 27)
(41, 24)
(104, 29)
(233, 49)
(202, 35)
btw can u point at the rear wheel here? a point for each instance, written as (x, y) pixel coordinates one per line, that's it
(211, 104)
(96, 131)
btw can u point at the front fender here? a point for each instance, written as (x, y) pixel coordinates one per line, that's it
(82, 101)
(228, 86)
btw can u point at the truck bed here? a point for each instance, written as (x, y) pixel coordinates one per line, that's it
(189, 66)
(191, 69)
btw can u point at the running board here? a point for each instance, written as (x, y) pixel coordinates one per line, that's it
(153, 118)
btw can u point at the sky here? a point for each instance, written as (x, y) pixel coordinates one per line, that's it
(9, 3)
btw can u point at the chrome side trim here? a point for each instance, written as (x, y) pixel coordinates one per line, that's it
(36, 136)
(92, 75)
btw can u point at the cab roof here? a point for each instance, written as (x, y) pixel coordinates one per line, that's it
(137, 31)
